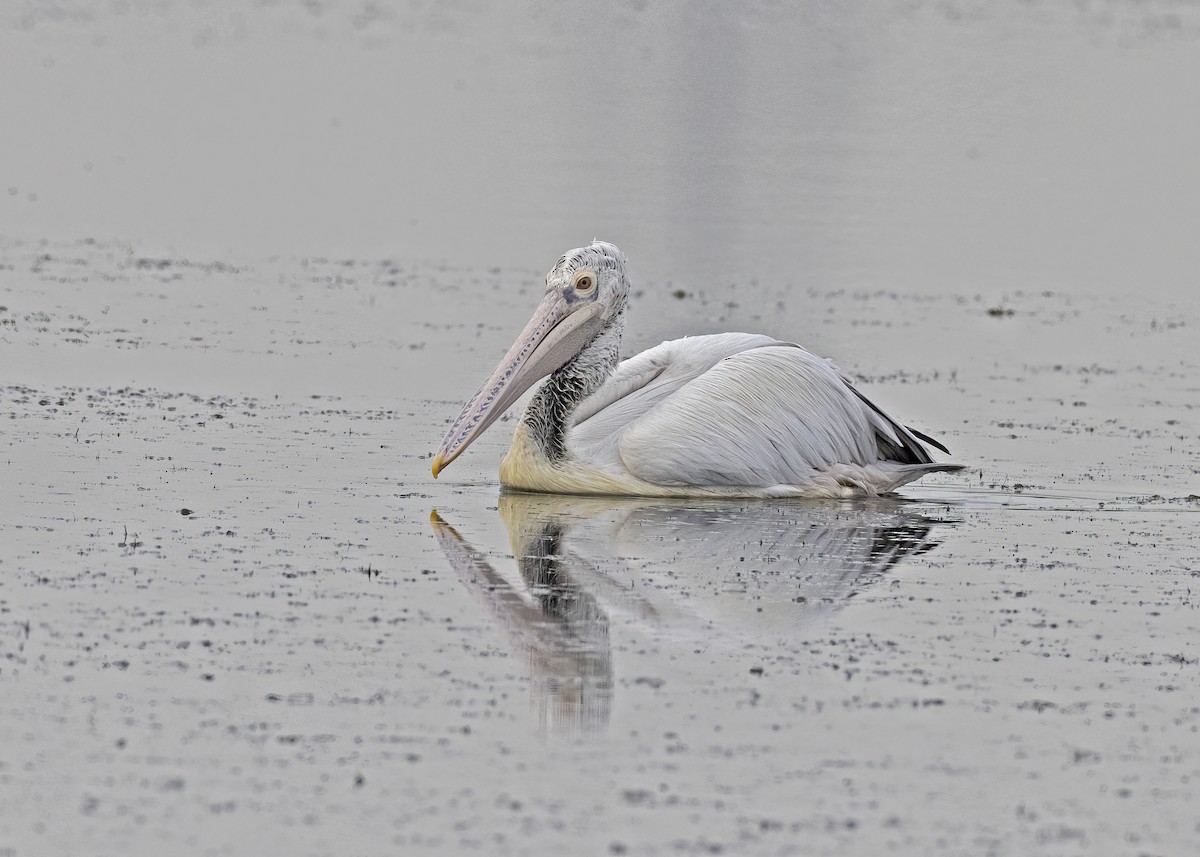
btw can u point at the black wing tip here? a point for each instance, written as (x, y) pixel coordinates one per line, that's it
(909, 451)
(920, 435)
(943, 468)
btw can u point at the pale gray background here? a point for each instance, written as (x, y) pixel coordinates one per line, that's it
(253, 256)
(946, 146)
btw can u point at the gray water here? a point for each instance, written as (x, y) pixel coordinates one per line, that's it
(252, 260)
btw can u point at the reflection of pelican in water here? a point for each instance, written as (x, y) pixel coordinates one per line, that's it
(699, 569)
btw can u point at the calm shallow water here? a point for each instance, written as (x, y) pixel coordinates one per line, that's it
(267, 255)
(313, 659)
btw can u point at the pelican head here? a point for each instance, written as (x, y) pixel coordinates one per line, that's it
(585, 296)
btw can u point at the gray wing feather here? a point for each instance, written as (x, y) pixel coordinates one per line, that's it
(770, 416)
(642, 383)
(735, 409)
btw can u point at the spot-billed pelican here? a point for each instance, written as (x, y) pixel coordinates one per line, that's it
(731, 414)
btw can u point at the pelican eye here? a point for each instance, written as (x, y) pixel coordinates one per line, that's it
(584, 281)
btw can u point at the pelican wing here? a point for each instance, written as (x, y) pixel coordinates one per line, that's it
(643, 382)
(771, 416)
(740, 410)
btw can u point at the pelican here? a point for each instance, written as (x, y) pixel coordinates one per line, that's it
(725, 415)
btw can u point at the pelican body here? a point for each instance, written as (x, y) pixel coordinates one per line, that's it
(725, 415)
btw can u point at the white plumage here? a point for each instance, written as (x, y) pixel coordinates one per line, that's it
(731, 414)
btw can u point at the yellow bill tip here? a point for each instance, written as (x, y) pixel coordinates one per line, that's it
(438, 465)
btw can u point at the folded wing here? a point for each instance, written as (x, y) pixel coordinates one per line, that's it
(737, 409)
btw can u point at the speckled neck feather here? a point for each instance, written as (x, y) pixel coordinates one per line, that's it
(549, 414)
